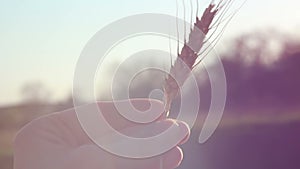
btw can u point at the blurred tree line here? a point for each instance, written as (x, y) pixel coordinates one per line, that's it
(262, 71)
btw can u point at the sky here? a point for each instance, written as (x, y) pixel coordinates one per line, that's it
(40, 41)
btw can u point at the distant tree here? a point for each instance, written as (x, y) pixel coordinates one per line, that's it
(263, 72)
(35, 92)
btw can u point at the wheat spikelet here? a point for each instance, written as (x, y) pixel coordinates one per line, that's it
(186, 60)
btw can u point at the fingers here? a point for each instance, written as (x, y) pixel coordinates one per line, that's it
(129, 113)
(185, 130)
(71, 130)
(116, 113)
(173, 158)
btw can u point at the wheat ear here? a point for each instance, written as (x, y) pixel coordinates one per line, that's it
(187, 58)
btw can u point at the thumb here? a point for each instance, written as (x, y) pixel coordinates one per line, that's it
(158, 127)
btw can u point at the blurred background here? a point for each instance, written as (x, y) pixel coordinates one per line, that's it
(260, 50)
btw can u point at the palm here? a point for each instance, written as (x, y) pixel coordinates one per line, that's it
(58, 141)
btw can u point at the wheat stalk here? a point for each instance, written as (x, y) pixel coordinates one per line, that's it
(188, 58)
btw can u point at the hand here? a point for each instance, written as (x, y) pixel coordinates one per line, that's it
(57, 141)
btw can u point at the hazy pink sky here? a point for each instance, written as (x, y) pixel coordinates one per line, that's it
(41, 40)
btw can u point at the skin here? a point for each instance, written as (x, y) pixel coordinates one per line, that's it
(57, 141)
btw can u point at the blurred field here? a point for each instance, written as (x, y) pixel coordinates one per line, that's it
(12, 119)
(253, 141)
(265, 143)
